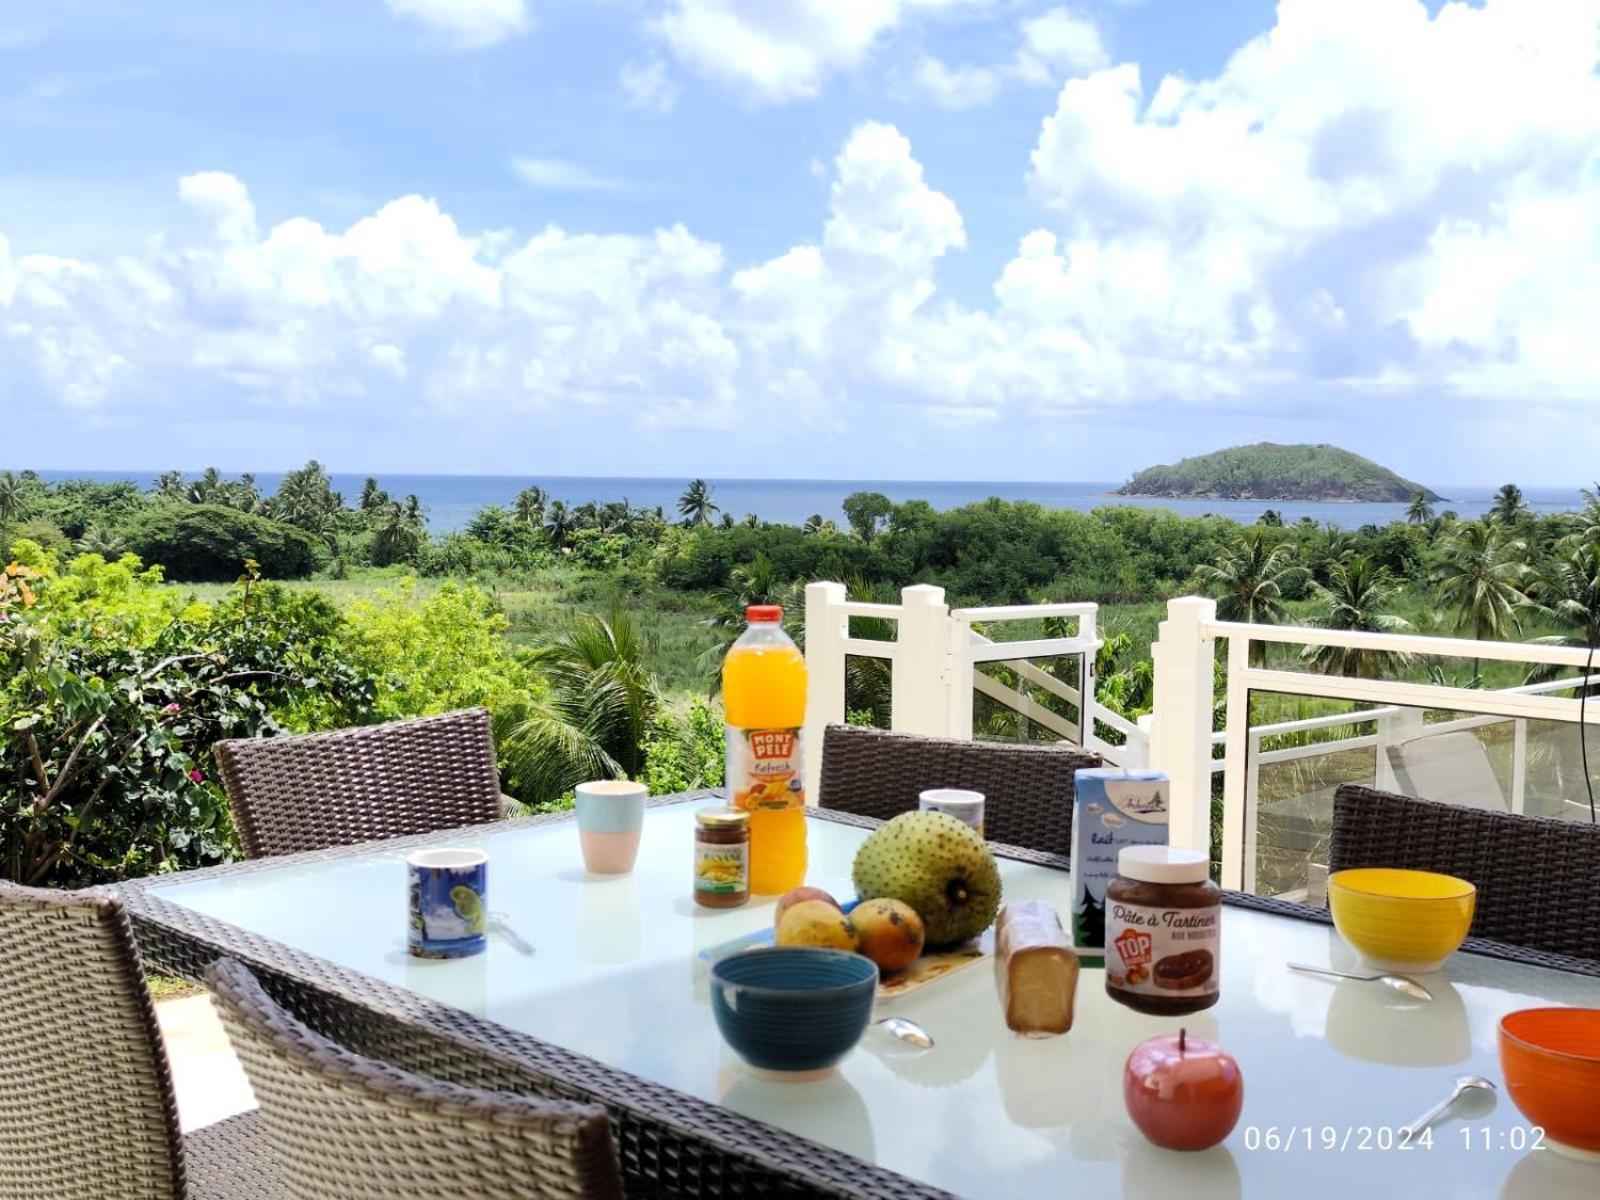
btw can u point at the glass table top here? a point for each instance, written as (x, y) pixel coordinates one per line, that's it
(618, 975)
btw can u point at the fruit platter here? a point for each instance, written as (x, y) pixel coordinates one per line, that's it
(926, 888)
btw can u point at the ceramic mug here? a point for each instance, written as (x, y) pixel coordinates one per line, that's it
(449, 903)
(964, 806)
(610, 819)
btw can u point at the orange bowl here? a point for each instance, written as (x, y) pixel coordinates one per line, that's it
(1551, 1061)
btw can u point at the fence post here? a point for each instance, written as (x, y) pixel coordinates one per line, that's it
(958, 686)
(1180, 727)
(826, 627)
(919, 688)
(1519, 765)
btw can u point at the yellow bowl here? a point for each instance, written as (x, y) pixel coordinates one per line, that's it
(1401, 920)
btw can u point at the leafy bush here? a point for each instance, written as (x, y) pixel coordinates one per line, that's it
(211, 543)
(439, 652)
(684, 750)
(108, 715)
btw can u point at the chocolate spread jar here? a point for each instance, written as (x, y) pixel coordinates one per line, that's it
(1163, 921)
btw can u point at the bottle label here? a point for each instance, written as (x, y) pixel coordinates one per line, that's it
(765, 769)
(722, 870)
(1162, 951)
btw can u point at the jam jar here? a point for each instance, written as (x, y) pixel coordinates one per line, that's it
(1163, 926)
(721, 857)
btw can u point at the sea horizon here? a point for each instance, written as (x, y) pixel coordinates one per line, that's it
(450, 500)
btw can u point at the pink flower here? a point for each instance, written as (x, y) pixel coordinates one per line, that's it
(196, 775)
(171, 708)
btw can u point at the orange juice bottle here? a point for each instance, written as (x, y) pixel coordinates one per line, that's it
(764, 696)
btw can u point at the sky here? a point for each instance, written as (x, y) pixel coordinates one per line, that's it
(913, 239)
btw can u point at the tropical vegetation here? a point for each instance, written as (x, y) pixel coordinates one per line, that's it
(139, 626)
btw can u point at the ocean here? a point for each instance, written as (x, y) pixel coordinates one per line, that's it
(451, 500)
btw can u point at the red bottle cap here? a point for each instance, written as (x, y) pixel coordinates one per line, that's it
(763, 613)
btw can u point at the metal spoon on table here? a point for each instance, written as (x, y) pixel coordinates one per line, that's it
(907, 1031)
(1463, 1085)
(1403, 984)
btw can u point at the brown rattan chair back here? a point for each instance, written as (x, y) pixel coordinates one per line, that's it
(1027, 790)
(346, 1127)
(1538, 879)
(312, 791)
(86, 1102)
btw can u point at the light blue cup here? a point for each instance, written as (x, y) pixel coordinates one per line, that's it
(449, 903)
(610, 820)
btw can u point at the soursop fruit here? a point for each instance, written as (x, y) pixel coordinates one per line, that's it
(938, 866)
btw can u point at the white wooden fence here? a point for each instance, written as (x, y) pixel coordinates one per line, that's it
(933, 669)
(934, 679)
(1182, 735)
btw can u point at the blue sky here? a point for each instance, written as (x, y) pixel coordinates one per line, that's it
(851, 238)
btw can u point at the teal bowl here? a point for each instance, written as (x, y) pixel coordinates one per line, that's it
(793, 1008)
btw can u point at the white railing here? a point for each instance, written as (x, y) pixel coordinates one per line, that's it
(937, 650)
(1183, 739)
(934, 675)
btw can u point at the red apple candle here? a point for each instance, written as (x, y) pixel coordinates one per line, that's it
(1182, 1093)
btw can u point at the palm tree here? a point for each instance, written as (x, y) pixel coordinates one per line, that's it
(601, 685)
(97, 539)
(558, 523)
(529, 507)
(695, 506)
(398, 535)
(1568, 590)
(1481, 578)
(1508, 504)
(372, 496)
(1355, 595)
(1250, 579)
(1419, 511)
(169, 485)
(813, 524)
(13, 496)
(1586, 530)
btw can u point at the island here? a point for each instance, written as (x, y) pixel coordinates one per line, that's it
(1268, 471)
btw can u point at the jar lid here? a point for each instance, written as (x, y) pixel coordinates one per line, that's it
(1163, 864)
(722, 818)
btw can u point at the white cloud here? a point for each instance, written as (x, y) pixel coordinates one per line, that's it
(557, 174)
(1433, 182)
(1056, 43)
(468, 23)
(781, 51)
(1344, 204)
(1050, 47)
(648, 86)
(955, 87)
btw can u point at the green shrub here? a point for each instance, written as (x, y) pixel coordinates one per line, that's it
(108, 714)
(209, 543)
(684, 750)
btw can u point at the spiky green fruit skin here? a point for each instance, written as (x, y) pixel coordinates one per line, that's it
(939, 867)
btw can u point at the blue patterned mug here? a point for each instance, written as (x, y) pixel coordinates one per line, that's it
(449, 903)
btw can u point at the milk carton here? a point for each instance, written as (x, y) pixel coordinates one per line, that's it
(1114, 808)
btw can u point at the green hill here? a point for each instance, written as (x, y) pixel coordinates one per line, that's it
(1267, 471)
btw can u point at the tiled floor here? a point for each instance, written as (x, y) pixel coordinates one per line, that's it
(208, 1079)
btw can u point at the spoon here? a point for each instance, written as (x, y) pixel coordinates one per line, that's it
(1400, 983)
(907, 1031)
(502, 926)
(1463, 1085)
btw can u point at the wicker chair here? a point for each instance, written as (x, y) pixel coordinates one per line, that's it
(1538, 880)
(1028, 790)
(352, 1128)
(86, 1103)
(317, 790)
